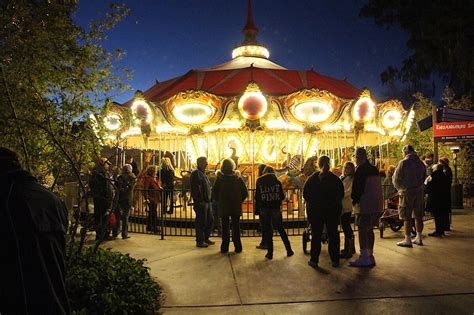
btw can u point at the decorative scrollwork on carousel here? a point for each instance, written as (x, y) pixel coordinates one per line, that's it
(192, 108)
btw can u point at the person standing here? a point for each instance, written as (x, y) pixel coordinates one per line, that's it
(229, 191)
(256, 211)
(129, 160)
(152, 190)
(347, 179)
(201, 194)
(125, 183)
(367, 200)
(444, 161)
(429, 163)
(389, 190)
(323, 192)
(33, 225)
(102, 189)
(408, 179)
(167, 180)
(268, 198)
(437, 187)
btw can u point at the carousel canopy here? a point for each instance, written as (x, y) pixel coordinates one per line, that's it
(256, 109)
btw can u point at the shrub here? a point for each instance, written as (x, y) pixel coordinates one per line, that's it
(107, 282)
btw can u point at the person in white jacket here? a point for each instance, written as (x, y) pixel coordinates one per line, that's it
(347, 179)
(408, 179)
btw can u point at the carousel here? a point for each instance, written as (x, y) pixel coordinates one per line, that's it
(255, 111)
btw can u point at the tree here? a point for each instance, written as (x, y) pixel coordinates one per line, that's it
(441, 40)
(54, 75)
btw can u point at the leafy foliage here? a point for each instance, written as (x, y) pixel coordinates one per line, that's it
(441, 40)
(106, 282)
(54, 73)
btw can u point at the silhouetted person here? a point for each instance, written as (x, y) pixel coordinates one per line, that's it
(268, 197)
(201, 193)
(437, 188)
(408, 179)
(100, 183)
(125, 183)
(263, 242)
(167, 181)
(131, 161)
(347, 179)
(323, 192)
(152, 191)
(33, 223)
(229, 191)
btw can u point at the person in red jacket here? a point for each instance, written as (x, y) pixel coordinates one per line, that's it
(152, 191)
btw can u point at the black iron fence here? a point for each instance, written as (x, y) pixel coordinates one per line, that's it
(175, 216)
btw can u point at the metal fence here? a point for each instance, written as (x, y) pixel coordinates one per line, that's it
(175, 215)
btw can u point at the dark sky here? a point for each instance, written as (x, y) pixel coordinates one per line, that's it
(167, 38)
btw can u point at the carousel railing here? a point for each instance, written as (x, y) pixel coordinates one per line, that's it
(178, 218)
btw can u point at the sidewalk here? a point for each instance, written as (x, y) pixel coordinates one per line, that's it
(437, 278)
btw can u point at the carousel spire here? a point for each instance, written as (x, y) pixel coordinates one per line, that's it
(250, 30)
(250, 47)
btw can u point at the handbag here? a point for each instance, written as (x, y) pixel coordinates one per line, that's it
(112, 220)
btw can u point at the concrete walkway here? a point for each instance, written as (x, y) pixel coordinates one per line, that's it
(437, 278)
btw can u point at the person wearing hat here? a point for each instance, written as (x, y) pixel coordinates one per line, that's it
(33, 225)
(408, 180)
(125, 185)
(102, 189)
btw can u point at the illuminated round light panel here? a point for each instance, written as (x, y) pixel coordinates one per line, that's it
(113, 121)
(313, 111)
(364, 109)
(253, 105)
(193, 113)
(391, 118)
(141, 112)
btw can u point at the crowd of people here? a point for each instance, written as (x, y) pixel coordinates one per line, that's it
(331, 201)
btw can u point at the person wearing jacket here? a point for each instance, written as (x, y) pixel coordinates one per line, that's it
(263, 241)
(33, 225)
(125, 184)
(229, 191)
(167, 180)
(152, 190)
(367, 199)
(268, 198)
(201, 194)
(437, 187)
(102, 189)
(323, 193)
(408, 180)
(444, 161)
(347, 178)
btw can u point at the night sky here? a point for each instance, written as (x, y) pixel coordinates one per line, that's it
(165, 39)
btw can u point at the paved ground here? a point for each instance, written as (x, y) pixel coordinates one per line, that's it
(437, 278)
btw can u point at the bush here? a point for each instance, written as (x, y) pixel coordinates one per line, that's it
(107, 282)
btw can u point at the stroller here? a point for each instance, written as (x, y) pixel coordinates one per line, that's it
(390, 217)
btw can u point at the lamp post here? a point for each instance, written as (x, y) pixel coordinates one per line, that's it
(456, 193)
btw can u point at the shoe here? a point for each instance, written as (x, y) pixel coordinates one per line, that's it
(202, 245)
(209, 242)
(261, 246)
(335, 264)
(404, 244)
(435, 234)
(125, 237)
(269, 256)
(289, 253)
(345, 254)
(313, 264)
(372, 259)
(361, 262)
(418, 242)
